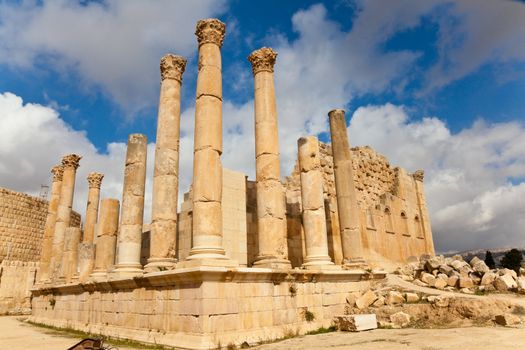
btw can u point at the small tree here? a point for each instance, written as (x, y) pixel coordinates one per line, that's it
(489, 260)
(512, 260)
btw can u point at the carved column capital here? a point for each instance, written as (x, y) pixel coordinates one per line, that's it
(262, 59)
(58, 172)
(95, 180)
(71, 161)
(172, 67)
(419, 175)
(210, 30)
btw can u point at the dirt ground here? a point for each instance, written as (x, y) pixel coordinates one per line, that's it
(16, 335)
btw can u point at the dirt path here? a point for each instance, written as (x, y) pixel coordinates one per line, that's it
(17, 335)
(493, 338)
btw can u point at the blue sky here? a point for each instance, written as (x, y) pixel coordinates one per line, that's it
(438, 85)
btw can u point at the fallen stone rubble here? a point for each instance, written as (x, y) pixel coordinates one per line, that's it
(455, 274)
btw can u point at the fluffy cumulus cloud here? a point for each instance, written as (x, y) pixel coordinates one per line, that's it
(115, 45)
(33, 138)
(472, 179)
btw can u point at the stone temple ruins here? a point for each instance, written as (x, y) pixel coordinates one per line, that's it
(242, 260)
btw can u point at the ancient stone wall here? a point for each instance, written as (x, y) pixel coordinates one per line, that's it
(22, 221)
(394, 224)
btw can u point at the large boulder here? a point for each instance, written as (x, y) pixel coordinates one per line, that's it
(447, 270)
(488, 278)
(465, 282)
(433, 264)
(411, 297)
(480, 267)
(504, 283)
(394, 298)
(453, 280)
(400, 319)
(428, 279)
(440, 283)
(508, 272)
(507, 319)
(356, 323)
(521, 284)
(366, 300)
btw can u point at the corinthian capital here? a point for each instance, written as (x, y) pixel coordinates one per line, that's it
(172, 67)
(419, 175)
(210, 30)
(71, 161)
(262, 60)
(95, 179)
(58, 172)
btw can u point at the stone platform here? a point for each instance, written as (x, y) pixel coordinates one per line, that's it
(202, 307)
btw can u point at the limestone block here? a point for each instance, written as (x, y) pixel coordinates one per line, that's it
(520, 281)
(352, 297)
(208, 123)
(447, 270)
(394, 298)
(366, 300)
(506, 271)
(208, 186)
(480, 267)
(440, 283)
(379, 302)
(209, 82)
(504, 283)
(400, 319)
(411, 297)
(507, 319)
(356, 323)
(465, 282)
(428, 279)
(453, 281)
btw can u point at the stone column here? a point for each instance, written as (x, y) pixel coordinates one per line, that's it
(312, 199)
(207, 167)
(107, 229)
(348, 210)
(86, 248)
(131, 220)
(271, 198)
(70, 257)
(70, 164)
(166, 173)
(418, 176)
(49, 229)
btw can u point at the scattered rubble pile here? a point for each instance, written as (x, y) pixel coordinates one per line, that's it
(453, 273)
(398, 307)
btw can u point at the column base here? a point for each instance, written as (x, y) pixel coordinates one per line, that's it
(159, 264)
(319, 263)
(225, 262)
(99, 275)
(207, 253)
(272, 262)
(126, 271)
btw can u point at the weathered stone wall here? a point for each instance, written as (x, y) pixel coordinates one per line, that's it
(393, 222)
(201, 308)
(22, 221)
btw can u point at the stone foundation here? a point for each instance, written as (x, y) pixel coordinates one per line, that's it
(16, 280)
(201, 308)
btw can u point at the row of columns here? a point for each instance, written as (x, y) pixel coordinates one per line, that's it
(124, 248)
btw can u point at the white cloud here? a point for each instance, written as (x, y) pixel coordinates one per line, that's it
(33, 138)
(472, 200)
(114, 44)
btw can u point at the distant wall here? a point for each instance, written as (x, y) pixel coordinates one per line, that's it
(22, 221)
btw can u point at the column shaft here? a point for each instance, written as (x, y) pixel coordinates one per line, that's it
(70, 257)
(347, 206)
(312, 199)
(271, 199)
(207, 167)
(107, 229)
(70, 164)
(130, 233)
(86, 249)
(166, 173)
(49, 229)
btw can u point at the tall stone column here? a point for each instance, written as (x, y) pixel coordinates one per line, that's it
(132, 215)
(418, 176)
(107, 229)
(312, 198)
(166, 173)
(70, 164)
(70, 257)
(348, 210)
(207, 167)
(49, 229)
(86, 248)
(271, 199)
